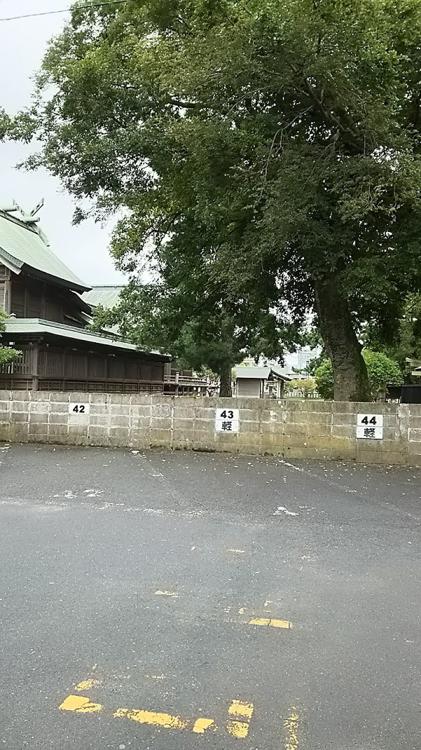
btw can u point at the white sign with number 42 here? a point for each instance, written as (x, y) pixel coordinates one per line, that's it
(370, 426)
(227, 420)
(78, 409)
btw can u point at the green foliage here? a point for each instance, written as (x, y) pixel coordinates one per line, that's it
(405, 345)
(306, 387)
(382, 371)
(260, 150)
(6, 354)
(324, 379)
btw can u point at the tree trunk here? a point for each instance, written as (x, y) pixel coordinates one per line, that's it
(337, 330)
(225, 384)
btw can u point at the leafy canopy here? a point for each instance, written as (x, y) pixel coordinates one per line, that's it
(382, 371)
(257, 148)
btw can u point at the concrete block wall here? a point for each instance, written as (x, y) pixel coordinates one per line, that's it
(296, 429)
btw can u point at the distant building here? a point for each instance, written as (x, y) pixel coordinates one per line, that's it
(259, 382)
(49, 319)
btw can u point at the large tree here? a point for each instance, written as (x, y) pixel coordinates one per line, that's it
(277, 141)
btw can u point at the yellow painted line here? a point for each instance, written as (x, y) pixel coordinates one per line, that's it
(270, 622)
(152, 718)
(239, 725)
(202, 725)
(86, 685)
(241, 710)
(291, 725)
(80, 705)
(238, 729)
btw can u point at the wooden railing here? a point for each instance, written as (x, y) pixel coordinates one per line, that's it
(20, 366)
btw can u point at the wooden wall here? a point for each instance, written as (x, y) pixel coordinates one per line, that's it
(35, 299)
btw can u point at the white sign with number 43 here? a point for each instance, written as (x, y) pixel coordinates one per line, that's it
(227, 420)
(370, 426)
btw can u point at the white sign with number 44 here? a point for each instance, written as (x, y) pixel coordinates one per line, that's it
(227, 420)
(370, 426)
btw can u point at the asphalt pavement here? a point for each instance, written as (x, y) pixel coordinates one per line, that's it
(178, 601)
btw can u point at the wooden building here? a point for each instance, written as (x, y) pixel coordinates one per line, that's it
(259, 382)
(49, 323)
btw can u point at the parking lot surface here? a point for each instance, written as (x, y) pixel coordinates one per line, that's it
(173, 601)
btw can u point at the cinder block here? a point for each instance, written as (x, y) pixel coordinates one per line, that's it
(120, 421)
(57, 430)
(20, 395)
(99, 434)
(141, 398)
(39, 407)
(139, 437)
(184, 412)
(164, 423)
(34, 396)
(160, 411)
(98, 398)
(59, 407)
(119, 433)
(17, 416)
(139, 423)
(119, 398)
(98, 421)
(38, 419)
(160, 437)
(19, 432)
(78, 430)
(5, 406)
(413, 409)
(347, 431)
(122, 410)
(203, 425)
(64, 398)
(20, 406)
(344, 419)
(100, 408)
(295, 429)
(414, 435)
(141, 410)
(181, 425)
(38, 429)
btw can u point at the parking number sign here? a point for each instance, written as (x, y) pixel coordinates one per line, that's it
(370, 426)
(227, 420)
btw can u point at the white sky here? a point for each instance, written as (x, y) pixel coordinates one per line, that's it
(22, 44)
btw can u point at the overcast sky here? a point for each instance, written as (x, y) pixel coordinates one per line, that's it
(22, 44)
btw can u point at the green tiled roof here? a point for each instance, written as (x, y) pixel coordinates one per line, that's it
(38, 326)
(107, 296)
(21, 245)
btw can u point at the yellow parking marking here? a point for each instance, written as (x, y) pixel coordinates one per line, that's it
(240, 709)
(239, 725)
(291, 725)
(202, 725)
(271, 623)
(80, 704)
(238, 729)
(86, 685)
(152, 718)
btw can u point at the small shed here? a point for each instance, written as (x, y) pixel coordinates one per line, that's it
(259, 382)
